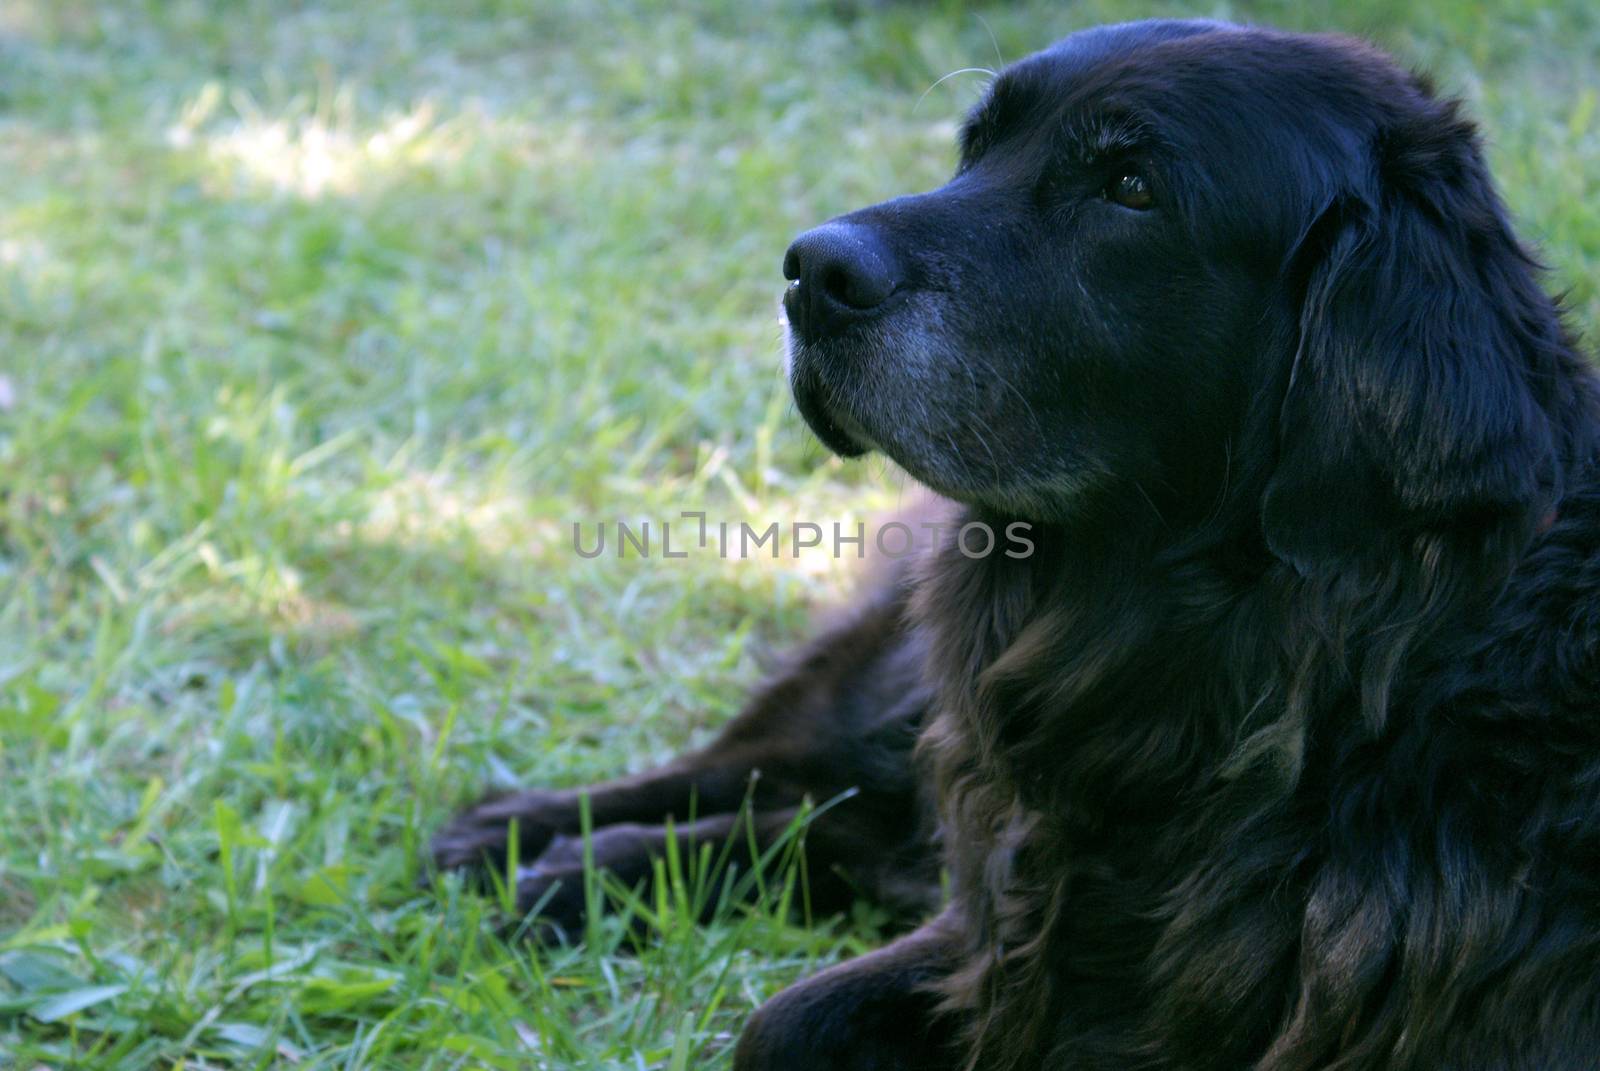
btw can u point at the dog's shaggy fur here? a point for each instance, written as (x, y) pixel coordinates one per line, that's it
(1282, 750)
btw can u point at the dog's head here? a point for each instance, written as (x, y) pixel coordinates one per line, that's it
(1163, 235)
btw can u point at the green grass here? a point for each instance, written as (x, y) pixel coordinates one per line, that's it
(319, 324)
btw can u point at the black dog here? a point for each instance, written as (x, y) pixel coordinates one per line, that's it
(1282, 749)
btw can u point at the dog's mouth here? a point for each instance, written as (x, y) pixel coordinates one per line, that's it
(837, 430)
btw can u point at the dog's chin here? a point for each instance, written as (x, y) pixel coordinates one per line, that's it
(838, 431)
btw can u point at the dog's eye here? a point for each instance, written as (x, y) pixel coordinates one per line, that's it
(1130, 189)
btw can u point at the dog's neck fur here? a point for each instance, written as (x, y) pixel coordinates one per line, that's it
(1085, 760)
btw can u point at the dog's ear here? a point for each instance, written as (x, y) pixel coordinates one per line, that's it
(1414, 404)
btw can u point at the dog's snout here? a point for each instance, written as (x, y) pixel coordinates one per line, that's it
(838, 273)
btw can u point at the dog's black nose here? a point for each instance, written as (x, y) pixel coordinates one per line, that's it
(839, 273)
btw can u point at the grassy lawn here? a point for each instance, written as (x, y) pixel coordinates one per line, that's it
(319, 325)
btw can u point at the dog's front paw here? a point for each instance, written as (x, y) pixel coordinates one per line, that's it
(478, 840)
(875, 1013)
(551, 904)
(552, 901)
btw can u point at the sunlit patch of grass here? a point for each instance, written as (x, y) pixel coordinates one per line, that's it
(321, 146)
(312, 156)
(319, 325)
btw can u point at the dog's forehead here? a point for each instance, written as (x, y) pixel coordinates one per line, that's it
(1076, 57)
(1190, 78)
(1047, 77)
(1079, 51)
